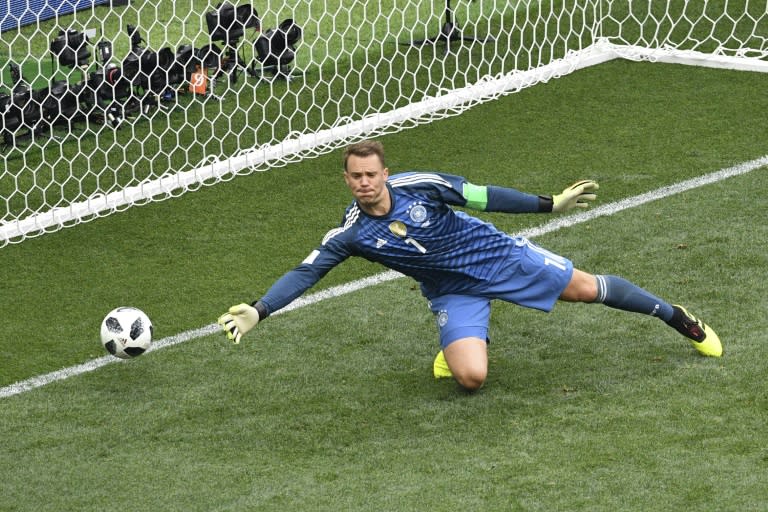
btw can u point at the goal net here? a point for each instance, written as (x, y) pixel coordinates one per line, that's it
(106, 105)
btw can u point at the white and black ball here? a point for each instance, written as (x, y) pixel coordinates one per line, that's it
(126, 332)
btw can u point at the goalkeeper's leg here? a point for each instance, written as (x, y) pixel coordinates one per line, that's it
(462, 322)
(617, 292)
(467, 359)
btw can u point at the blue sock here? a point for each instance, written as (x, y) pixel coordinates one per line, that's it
(619, 293)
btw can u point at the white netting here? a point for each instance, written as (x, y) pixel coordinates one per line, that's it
(181, 94)
(721, 33)
(725, 28)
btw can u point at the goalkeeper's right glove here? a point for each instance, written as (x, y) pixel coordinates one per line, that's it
(575, 196)
(239, 320)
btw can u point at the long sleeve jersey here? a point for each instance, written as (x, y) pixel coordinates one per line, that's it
(446, 251)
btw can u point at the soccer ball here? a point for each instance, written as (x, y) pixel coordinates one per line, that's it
(126, 332)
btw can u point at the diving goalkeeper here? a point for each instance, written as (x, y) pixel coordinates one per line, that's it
(406, 223)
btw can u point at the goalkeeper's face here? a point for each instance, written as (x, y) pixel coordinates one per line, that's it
(366, 177)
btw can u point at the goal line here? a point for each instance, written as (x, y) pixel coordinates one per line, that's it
(337, 291)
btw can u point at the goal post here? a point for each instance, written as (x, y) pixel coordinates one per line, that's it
(113, 106)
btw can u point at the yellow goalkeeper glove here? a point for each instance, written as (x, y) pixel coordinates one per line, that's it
(238, 321)
(575, 196)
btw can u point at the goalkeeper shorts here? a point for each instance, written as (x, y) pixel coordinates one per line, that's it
(535, 279)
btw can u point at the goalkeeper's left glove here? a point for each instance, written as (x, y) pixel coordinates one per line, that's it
(239, 320)
(575, 196)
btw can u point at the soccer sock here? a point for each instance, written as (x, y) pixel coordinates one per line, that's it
(617, 292)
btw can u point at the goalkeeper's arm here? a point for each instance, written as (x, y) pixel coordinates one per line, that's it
(575, 196)
(241, 318)
(509, 200)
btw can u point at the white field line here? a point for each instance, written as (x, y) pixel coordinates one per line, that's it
(337, 291)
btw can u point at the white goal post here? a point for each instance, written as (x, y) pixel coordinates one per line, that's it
(119, 103)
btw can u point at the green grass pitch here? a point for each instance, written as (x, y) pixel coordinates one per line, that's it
(333, 407)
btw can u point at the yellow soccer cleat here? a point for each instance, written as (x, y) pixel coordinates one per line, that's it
(702, 337)
(440, 367)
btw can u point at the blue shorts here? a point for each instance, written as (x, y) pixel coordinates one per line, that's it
(533, 278)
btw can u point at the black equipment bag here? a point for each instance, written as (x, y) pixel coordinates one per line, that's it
(276, 48)
(71, 48)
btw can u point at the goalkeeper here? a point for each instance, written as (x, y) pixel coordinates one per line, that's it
(406, 223)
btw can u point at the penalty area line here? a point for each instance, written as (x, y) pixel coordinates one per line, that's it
(390, 275)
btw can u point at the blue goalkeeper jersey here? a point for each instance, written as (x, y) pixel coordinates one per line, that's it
(446, 251)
